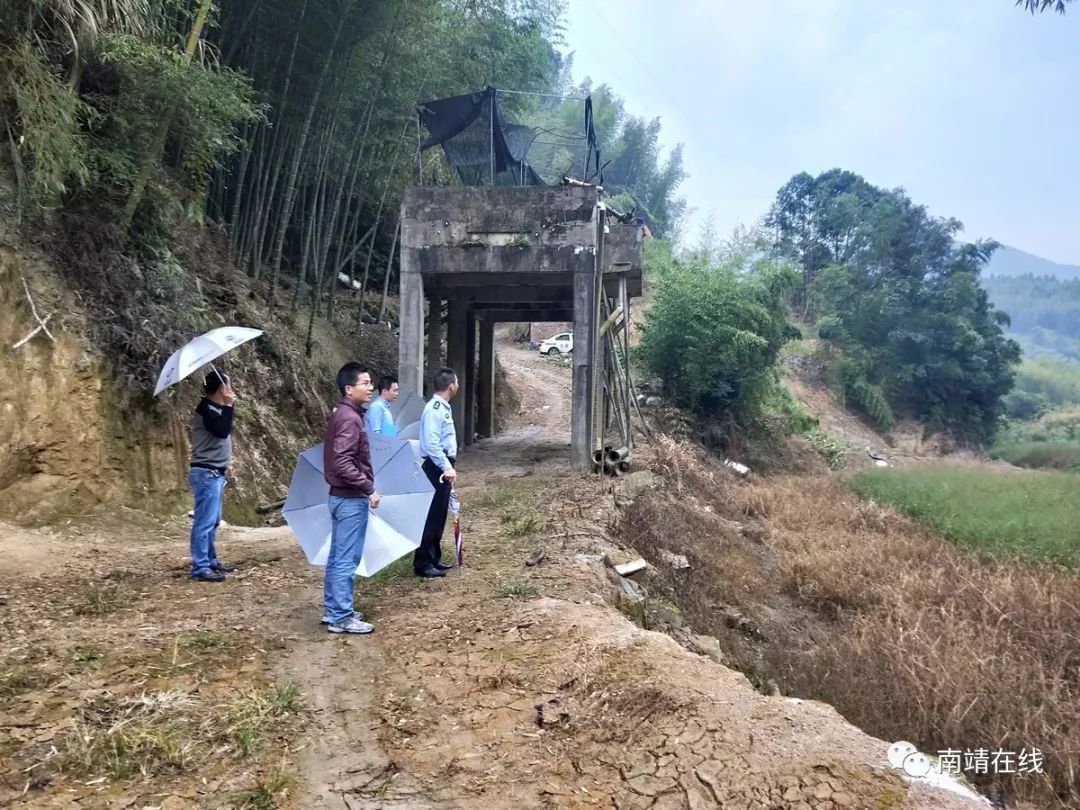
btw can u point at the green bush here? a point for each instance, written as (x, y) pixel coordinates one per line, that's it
(1040, 455)
(45, 130)
(1024, 405)
(92, 129)
(849, 377)
(1062, 425)
(153, 82)
(714, 331)
(1056, 382)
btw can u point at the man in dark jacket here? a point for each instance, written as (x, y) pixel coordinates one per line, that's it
(347, 469)
(211, 452)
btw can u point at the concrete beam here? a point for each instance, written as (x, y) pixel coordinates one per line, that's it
(498, 261)
(554, 315)
(411, 332)
(509, 293)
(455, 355)
(451, 284)
(486, 380)
(522, 285)
(521, 307)
(470, 378)
(497, 214)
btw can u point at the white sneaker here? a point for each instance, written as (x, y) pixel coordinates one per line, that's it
(351, 625)
(326, 619)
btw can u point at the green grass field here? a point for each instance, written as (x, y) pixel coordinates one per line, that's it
(1040, 455)
(1030, 514)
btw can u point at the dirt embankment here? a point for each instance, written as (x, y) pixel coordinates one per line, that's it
(67, 444)
(74, 440)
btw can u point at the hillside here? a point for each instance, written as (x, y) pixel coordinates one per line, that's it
(1010, 261)
(78, 438)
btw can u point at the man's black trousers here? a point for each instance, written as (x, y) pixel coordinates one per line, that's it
(430, 551)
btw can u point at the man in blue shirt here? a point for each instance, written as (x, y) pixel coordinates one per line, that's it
(438, 448)
(378, 419)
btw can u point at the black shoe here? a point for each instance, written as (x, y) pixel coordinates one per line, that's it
(223, 569)
(208, 576)
(431, 571)
(443, 566)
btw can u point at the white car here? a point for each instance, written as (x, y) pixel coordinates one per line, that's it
(558, 344)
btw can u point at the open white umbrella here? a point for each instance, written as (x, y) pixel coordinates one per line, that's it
(202, 350)
(406, 413)
(393, 530)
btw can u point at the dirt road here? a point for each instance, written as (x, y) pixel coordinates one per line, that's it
(500, 686)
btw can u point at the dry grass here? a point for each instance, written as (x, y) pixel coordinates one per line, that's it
(265, 794)
(171, 731)
(99, 600)
(906, 635)
(517, 589)
(521, 523)
(16, 681)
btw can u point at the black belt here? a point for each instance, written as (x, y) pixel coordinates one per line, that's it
(220, 470)
(451, 459)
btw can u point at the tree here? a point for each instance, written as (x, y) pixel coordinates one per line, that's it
(1039, 6)
(897, 303)
(715, 329)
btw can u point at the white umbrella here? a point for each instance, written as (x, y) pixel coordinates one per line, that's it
(393, 530)
(200, 351)
(406, 412)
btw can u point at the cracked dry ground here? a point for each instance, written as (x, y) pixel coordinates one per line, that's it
(500, 686)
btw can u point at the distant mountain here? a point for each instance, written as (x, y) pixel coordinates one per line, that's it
(1010, 261)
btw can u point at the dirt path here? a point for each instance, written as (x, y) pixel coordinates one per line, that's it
(502, 685)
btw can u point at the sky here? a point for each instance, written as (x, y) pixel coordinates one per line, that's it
(971, 106)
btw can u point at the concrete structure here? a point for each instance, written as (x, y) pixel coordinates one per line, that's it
(497, 254)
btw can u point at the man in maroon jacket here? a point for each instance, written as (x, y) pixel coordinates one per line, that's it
(347, 469)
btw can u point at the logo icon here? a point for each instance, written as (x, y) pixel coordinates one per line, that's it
(905, 756)
(899, 751)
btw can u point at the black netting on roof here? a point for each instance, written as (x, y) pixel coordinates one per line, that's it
(481, 154)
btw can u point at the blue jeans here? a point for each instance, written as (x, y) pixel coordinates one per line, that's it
(208, 487)
(348, 518)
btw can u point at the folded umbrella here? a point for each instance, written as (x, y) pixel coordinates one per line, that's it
(202, 350)
(455, 510)
(393, 530)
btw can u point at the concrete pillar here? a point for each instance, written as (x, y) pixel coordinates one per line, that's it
(486, 380)
(434, 341)
(470, 378)
(411, 339)
(581, 413)
(455, 356)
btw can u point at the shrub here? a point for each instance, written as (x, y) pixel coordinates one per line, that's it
(714, 331)
(1024, 405)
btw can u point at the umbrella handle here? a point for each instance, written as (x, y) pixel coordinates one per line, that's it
(221, 376)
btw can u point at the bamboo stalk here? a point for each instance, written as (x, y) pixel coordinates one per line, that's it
(389, 268)
(294, 170)
(158, 142)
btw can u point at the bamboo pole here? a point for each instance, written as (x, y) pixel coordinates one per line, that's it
(158, 143)
(389, 267)
(611, 319)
